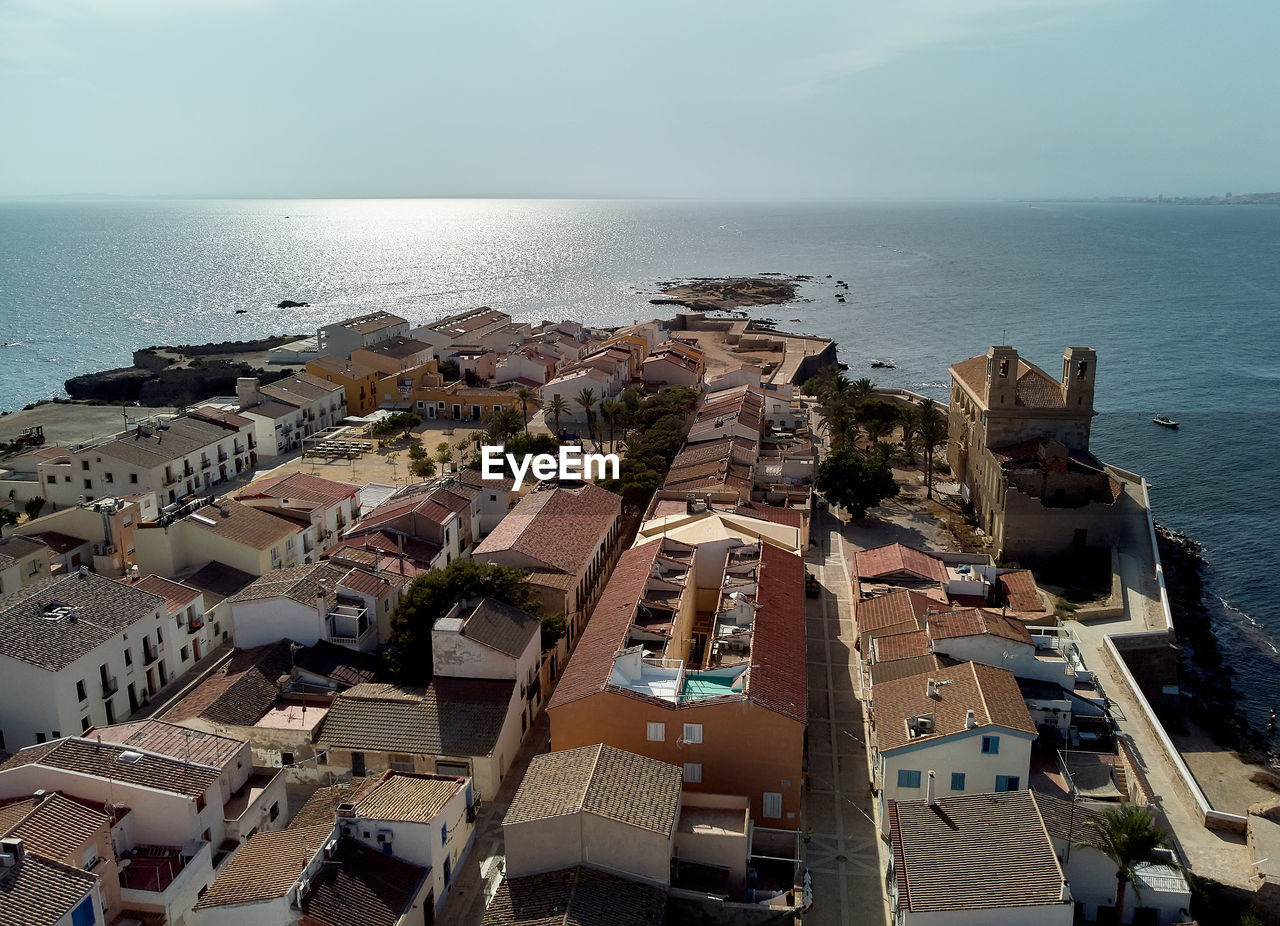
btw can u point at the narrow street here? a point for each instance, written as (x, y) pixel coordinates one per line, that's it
(844, 854)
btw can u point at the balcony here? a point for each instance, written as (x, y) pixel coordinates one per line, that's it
(169, 479)
(194, 625)
(110, 685)
(205, 463)
(250, 807)
(149, 656)
(239, 449)
(187, 470)
(349, 626)
(222, 456)
(165, 875)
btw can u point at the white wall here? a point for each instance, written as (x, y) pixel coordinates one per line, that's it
(961, 752)
(1060, 914)
(269, 620)
(274, 912)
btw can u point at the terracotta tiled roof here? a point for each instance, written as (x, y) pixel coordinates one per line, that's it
(777, 676)
(363, 888)
(1019, 589)
(300, 389)
(54, 622)
(76, 754)
(345, 666)
(241, 691)
(500, 626)
(992, 694)
(153, 447)
(17, 547)
(57, 827)
(39, 891)
(300, 487)
(412, 798)
(791, 517)
(322, 805)
(169, 739)
(298, 583)
(176, 595)
(904, 668)
(242, 524)
(272, 410)
(973, 373)
(1036, 388)
(56, 541)
(895, 558)
(561, 527)
(899, 607)
(600, 780)
(266, 866)
(575, 897)
(606, 632)
(972, 622)
(973, 852)
(901, 646)
(451, 717)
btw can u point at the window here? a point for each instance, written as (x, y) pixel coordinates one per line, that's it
(657, 732)
(692, 772)
(1007, 783)
(957, 781)
(81, 694)
(908, 778)
(88, 483)
(109, 477)
(57, 734)
(185, 653)
(990, 745)
(286, 758)
(84, 914)
(444, 834)
(693, 733)
(275, 810)
(84, 465)
(772, 804)
(128, 657)
(159, 637)
(133, 478)
(40, 737)
(84, 724)
(288, 545)
(52, 480)
(400, 763)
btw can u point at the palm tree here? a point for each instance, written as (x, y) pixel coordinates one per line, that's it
(933, 431)
(1129, 836)
(909, 418)
(860, 389)
(611, 410)
(587, 399)
(557, 407)
(528, 398)
(878, 427)
(841, 432)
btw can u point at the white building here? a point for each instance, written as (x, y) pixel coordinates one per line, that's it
(320, 404)
(23, 561)
(308, 604)
(81, 651)
(488, 639)
(243, 537)
(328, 506)
(975, 860)
(965, 725)
(187, 792)
(174, 458)
(341, 338)
(569, 385)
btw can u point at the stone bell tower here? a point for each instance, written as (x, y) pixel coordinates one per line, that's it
(1079, 367)
(1002, 377)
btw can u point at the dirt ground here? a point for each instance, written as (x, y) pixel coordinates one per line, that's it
(1223, 775)
(73, 424)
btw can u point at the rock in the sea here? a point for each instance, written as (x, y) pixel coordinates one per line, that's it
(290, 304)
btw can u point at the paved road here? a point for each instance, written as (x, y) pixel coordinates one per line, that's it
(845, 855)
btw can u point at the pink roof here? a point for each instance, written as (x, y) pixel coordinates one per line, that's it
(176, 595)
(300, 487)
(898, 558)
(559, 527)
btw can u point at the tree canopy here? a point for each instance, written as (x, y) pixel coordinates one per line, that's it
(855, 480)
(432, 595)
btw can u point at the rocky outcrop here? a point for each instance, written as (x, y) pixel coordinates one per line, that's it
(712, 295)
(290, 304)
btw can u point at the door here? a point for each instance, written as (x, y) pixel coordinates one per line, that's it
(195, 649)
(357, 764)
(457, 412)
(133, 698)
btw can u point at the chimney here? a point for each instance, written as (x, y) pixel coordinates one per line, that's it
(970, 720)
(14, 847)
(84, 572)
(322, 601)
(247, 391)
(931, 794)
(931, 689)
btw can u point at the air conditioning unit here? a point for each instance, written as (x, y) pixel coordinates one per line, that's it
(330, 848)
(348, 829)
(385, 835)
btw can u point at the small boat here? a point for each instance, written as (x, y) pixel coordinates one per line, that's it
(1166, 422)
(884, 365)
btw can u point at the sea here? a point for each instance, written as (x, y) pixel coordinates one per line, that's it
(1182, 304)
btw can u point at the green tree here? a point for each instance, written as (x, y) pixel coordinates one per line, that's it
(444, 453)
(528, 399)
(553, 628)
(557, 407)
(610, 410)
(932, 430)
(502, 423)
(878, 418)
(33, 506)
(417, 451)
(909, 420)
(1129, 836)
(423, 467)
(400, 421)
(8, 516)
(855, 480)
(860, 390)
(432, 595)
(587, 399)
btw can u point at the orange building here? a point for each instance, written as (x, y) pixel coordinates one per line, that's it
(360, 380)
(696, 656)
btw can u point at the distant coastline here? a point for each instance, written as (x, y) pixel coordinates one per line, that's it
(1227, 199)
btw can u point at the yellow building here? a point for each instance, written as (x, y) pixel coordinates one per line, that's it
(423, 390)
(360, 380)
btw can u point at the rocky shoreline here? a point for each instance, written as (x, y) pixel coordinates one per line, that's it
(178, 375)
(706, 294)
(1202, 671)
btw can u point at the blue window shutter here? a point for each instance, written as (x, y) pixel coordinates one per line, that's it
(991, 745)
(957, 781)
(908, 778)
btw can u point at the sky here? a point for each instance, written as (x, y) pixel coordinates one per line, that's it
(804, 100)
